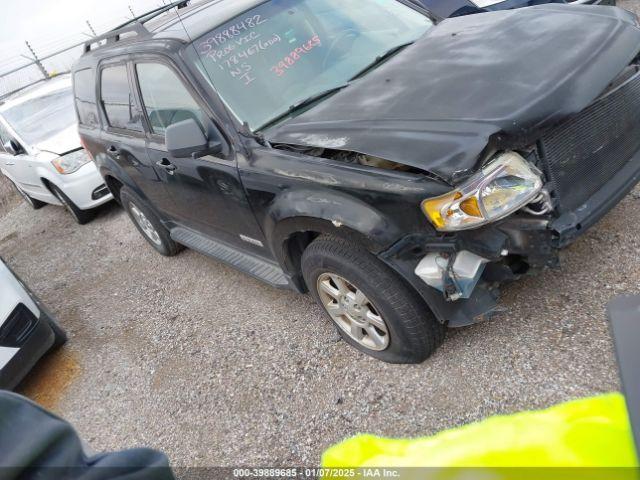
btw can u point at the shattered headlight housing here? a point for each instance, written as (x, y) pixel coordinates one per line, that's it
(504, 185)
(71, 162)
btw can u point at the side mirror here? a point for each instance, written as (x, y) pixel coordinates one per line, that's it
(12, 147)
(185, 138)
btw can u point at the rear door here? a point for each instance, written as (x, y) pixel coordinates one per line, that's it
(206, 192)
(124, 137)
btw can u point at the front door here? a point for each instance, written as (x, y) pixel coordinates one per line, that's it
(18, 166)
(206, 192)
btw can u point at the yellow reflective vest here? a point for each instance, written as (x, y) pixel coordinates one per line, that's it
(593, 432)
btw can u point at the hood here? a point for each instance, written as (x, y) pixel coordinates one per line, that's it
(437, 104)
(62, 142)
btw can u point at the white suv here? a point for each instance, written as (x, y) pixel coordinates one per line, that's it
(40, 150)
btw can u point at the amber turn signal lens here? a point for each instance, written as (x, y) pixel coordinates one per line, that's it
(433, 207)
(470, 207)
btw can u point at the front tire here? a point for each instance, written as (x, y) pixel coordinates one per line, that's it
(148, 224)
(80, 216)
(373, 309)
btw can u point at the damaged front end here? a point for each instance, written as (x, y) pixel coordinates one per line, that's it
(531, 156)
(514, 214)
(586, 165)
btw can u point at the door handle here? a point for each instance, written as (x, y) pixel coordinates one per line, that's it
(114, 151)
(9, 163)
(167, 165)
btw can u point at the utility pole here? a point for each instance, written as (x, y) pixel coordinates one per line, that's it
(91, 28)
(131, 10)
(37, 61)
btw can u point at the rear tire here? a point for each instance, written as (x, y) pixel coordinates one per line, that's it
(148, 224)
(372, 306)
(35, 204)
(80, 216)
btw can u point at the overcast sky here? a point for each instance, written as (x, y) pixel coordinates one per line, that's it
(51, 25)
(48, 24)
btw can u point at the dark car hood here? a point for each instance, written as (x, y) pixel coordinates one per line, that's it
(436, 104)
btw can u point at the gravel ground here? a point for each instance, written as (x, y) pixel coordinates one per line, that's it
(9, 197)
(193, 358)
(215, 368)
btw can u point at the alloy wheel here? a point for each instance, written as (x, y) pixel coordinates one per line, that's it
(145, 225)
(353, 312)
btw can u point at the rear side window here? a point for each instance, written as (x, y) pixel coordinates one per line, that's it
(165, 98)
(85, 97)
(117, 99)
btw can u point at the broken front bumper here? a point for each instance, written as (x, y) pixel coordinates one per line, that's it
(497, 253)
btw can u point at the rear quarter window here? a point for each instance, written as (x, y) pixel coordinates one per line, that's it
(117, 99)
(85, 97)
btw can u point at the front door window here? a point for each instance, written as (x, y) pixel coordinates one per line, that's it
(165, 98)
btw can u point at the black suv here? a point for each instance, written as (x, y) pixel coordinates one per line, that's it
(396, 166)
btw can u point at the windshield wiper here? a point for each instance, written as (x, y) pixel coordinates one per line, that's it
(325, 93)
(381, 58)
(315, 97)
(304, 103)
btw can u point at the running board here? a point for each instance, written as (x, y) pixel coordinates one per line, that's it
(245, 262)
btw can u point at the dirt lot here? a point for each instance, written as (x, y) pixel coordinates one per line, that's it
(191, 357)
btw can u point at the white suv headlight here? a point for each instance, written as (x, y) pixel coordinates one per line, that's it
(504, 185)
(71, 162)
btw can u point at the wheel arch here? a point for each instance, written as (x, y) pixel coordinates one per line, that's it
(47, 182)
(114, 185)
(115, 178)
(293, 235)
(297, 217)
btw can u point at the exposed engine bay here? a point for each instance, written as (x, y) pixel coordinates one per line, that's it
(350, 157)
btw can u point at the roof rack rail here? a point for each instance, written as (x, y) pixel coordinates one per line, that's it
(114, 35)
(134, 25)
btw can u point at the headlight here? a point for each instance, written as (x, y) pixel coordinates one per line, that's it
(71, 162)
(504, 185)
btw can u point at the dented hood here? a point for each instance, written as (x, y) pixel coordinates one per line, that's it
(436, 104)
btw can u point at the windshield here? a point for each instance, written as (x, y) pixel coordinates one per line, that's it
(41, 118)
(267, 60)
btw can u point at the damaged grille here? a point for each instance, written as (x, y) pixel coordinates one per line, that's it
(583, 153)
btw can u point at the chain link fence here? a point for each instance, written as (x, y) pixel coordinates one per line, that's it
(38, 69)
(40, 61)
